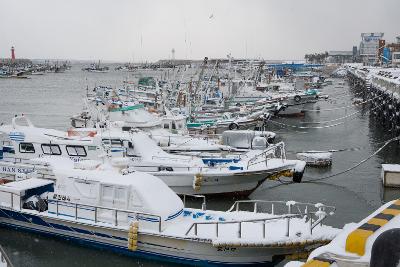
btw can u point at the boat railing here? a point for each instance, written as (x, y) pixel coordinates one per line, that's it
(303, 209)
(203, 204)
(4, 258)
(264, 221)
(186, 168)
(96, 209)
(289, 206)
(84, 208)
(293, 211)
(207, 137)
(263, 156)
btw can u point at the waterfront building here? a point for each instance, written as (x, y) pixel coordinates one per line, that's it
(369, 47)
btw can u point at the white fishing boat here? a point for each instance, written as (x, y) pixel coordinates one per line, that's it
(95, 67)
(138, 215)
(169, 130)
(184, 174)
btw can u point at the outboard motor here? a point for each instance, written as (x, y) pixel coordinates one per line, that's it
(35, 203)
(385, 251)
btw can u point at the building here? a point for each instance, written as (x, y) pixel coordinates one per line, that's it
(395, 51)
(340, 57)
(369, 47)
(396, 59)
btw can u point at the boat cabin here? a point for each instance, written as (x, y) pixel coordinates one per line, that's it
(93, 191)
(30, 142)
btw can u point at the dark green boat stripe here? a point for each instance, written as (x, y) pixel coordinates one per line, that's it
(369, 227)
(394, 207)
(383, 216)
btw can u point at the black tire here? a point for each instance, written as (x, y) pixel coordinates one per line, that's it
(385, 251)
(297, 177)
(233, 126)
(297, 98)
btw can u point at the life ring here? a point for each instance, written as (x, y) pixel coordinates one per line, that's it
(233, 126)
(297, 98)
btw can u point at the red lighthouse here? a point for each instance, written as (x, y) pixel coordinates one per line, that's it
(12, 53)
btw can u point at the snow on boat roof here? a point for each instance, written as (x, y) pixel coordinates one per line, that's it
(21, 186)
(391, 167)
(156, 196)
(35, 134)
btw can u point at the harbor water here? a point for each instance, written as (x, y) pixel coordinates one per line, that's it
(49, 101)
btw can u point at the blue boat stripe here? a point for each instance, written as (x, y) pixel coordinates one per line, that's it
(174, 215)
(71, 216)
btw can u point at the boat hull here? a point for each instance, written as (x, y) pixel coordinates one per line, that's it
(192, 251)
(240, 183)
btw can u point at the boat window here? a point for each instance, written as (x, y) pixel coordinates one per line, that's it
(86, 188)
(106, 141)
(173, 125)
(26, 148)
(76, 151)
(116, 142)
(107, 192)
(135, 200)
(162, 168)
(166, 126)
(49, 149)
(120, 193)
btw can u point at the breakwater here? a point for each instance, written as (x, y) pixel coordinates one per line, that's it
(381, 88)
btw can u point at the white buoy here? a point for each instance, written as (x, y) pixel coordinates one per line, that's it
(390, 175)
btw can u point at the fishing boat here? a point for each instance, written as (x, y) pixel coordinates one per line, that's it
(138, 215)
(95, 67)
(170, 130)
(184, 174)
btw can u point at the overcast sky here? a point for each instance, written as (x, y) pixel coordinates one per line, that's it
(127, 30)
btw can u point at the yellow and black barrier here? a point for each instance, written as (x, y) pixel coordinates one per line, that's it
(318, 262)
(356, 240)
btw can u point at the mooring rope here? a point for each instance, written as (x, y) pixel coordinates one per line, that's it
(316, 180)
(337, 108)
(320, 127)
(345, 95)
(335, 150)
(337, 119)
(357, 164)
